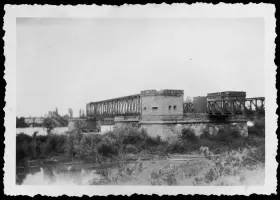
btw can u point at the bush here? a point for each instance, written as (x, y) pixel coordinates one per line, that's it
(48, 124)
(38, 146)
(22, 146)
(205, 135)
(131, 149)
(166, 176)
(153, 141)
(222, 136)
(229, 164)
(235, 133)
(107, 147)
(176, 146)
(188, 134)
(258, 128)
(20, 122)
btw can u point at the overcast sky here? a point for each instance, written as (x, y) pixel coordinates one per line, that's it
(67, 63)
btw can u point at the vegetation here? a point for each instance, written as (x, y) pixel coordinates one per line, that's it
(20, 122)
(237, 154)
(258, 128)
(38, 146)
(130, 140)
(48, 124)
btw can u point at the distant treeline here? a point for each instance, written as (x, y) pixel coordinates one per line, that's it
(47, 123)
(20, 123)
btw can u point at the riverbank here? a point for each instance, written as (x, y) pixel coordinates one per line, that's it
(100, 153)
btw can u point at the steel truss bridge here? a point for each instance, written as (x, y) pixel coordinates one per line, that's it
(123, 106)
(248, 106)
(131, 106)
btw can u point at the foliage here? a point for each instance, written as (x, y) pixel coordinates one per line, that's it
(38, 146)
(165, 176)
(188, 134)
(48, 124)
(231, 163)
(20, 122)
(205, 135)
(131, 149)
(108, 147)
(258, 128)
(22, 146)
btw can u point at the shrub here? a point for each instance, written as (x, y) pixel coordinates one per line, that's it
(235, 133)
(70, 146)
(188, 134)
(176, 146)
(229, 164)
(165, 176)
(254, 130)
(153, 141)
(131, 149)
(107, 147)
(20, 122)
(48, 124)
(205, 135)
(226, 136)
(258, 128)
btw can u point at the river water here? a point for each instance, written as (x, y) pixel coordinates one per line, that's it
(64, 174)
(63, 178)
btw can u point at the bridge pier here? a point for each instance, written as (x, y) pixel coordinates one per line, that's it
(173, 126)
(170, 128)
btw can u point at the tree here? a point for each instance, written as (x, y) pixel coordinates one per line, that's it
(56, 111)
(70, 111)
(48, 124)
(33, 144)
(20, 122)
(83, 113)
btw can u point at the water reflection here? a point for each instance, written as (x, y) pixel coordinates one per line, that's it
(49, 176)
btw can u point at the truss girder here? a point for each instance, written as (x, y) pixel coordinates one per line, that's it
(124, 106)
(188, 107)
(236, 106)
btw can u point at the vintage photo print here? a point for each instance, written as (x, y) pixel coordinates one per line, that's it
(140, 99)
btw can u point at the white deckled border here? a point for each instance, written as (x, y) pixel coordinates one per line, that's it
(199, 10)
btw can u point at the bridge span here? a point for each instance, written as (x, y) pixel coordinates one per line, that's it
(226, 104)
(164, 112)
(123, 106)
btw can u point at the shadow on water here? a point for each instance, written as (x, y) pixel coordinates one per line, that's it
(63, 173)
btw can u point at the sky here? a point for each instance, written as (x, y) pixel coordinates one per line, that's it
(66, 63)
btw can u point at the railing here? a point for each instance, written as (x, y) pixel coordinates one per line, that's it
(188, 107)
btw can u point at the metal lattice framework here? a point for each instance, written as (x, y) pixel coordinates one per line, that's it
(236, 106)
(188, 107)
(123, 106)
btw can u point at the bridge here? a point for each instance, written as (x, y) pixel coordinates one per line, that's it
(123, 106)
(132, 106)
(57, 119)
(164, 112)
(248, 106)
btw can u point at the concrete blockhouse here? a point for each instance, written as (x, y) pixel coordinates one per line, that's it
(157, 105)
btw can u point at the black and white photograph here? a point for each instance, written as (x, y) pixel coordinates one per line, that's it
(133, 96)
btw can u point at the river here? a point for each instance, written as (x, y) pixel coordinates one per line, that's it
(53, 177)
